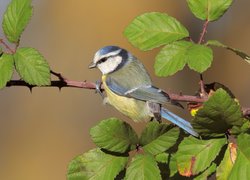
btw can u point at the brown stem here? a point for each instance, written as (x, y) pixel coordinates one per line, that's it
(204, 30)
(57, 83)
(201, 39)
(203, 93)
(64, 82)
(90, 85)
(7, 46)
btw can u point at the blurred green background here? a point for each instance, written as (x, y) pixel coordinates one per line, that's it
(40, 132)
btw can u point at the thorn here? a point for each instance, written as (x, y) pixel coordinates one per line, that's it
(84, 82)
(180, 93)
(30, 88)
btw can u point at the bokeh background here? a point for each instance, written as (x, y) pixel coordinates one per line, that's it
(40, 132)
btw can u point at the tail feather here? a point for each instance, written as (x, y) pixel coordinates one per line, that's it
(185, 125)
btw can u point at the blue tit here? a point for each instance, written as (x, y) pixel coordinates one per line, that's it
(129, 88)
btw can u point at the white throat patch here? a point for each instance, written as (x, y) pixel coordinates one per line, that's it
(110, 64)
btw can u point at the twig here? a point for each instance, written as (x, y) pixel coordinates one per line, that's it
(61, 83)
(64, 82)
(186, 98)
(90, 85)
(57, 83)
(201, 39)
(204, 30)
(203, 92)
(7, 46)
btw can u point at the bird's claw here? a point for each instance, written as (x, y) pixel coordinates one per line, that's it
(98, 89)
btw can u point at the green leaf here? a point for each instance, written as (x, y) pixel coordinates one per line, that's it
(32, 67)
(217, 115)
(226, 165)
(245, 128)
(162, 157)
(210, 10)
(194, 155)
(206, 173)
(94, 165)
(114, 135)
(241, 167)
(173, 57)
(157, 138)
(238, 52)
(16, 18)
(151, 30)
(215, 43)
(173, 165)
(143, 167)
(199, 57)
(6, 69)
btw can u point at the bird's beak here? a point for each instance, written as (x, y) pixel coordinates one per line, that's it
(92, 65)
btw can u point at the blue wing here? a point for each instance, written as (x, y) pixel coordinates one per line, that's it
(141, 92)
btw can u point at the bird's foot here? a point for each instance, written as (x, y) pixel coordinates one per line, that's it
(98, 89)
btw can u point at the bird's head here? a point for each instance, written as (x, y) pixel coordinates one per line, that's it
(109, 59)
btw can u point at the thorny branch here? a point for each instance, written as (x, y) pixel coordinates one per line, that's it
(63, 82)
(201, 39)
(204, 30)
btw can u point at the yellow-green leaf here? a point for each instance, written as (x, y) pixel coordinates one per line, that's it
(151, 30)
(226, 165)
(238, 52)
(173, 57)
(16, 18)
(204, 175)
(114, 135)
(210, 10)
(157, 138)
(94, 165)
(143, 167)
(241, 167)
(32, 66)
(217, 115)
(194, 155)
(6, 69)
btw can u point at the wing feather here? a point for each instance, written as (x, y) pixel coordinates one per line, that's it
(143, 92)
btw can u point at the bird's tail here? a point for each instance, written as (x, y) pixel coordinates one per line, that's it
(185, 125)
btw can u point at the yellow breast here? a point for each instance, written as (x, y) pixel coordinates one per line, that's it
(134, 109)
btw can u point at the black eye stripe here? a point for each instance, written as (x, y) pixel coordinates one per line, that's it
(102, 60)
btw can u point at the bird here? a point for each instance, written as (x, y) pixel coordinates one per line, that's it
(129, 88)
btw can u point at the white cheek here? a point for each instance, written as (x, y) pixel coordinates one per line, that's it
(110, 65)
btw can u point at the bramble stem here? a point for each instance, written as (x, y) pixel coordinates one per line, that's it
(7, 46)
(201, 39)
(204, 30)
(63, 82)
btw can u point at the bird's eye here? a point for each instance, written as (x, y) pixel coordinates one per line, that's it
(103, 60)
